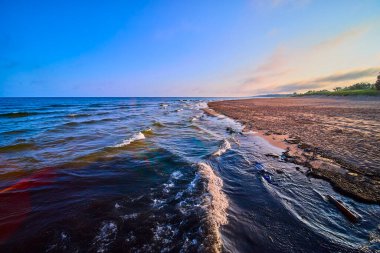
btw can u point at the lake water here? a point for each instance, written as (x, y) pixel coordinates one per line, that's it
(158, 175)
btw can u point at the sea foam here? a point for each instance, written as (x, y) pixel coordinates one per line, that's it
(135, 137)
(105, 237)
(223, 148)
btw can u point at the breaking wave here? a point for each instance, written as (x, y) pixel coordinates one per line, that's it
(215, 201)
(135, 137)
(223, 148)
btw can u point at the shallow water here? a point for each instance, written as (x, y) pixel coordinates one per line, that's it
(158, 175)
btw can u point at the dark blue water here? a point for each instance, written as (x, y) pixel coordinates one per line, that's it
(158, 175)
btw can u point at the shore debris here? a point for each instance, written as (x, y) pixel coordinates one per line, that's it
(351, 151)
(272, 155)
(230, 130)
(267, 177)
(292, 140)
(351, 216)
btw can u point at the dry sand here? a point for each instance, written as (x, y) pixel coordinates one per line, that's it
(337, 138)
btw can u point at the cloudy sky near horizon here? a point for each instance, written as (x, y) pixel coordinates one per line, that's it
(186, 48)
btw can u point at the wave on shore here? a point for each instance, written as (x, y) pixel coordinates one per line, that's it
(226, 145)
(215, 201)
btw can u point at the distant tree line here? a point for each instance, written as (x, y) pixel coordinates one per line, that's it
(354, 89)
(358, 86)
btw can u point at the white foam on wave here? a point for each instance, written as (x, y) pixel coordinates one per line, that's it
(226, 145)
(135, 137)
(129, 216)
(176, 174)
(158, 203)
(168, 186)
(164, 234)
(106, 236)
(201, 105)
(215, 201)
(193, 183)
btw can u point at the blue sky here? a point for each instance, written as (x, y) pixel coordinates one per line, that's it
(185, 48)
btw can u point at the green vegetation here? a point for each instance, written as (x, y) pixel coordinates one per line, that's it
(377, 84)
(356, 89)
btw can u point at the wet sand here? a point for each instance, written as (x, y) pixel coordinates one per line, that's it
(337, 138)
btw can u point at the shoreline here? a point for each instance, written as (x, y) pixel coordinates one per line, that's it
(358, 182)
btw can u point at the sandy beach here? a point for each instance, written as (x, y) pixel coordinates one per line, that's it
(337, 138)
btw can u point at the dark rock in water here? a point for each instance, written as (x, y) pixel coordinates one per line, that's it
(230, 130)
(285, 156)
(298, 168)
(279, 171)
(267, 177)
(309, 172)
(272, 155)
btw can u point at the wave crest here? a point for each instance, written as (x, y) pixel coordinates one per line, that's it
(226, 145)
(135, 137)
(215, 201)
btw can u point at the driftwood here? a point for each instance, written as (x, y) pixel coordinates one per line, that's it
(347, 212)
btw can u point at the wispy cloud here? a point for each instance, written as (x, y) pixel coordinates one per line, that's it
(341, 38)
(274, 66)
(292, 87)
(349, 76)
(280, 71)
(326, 81)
